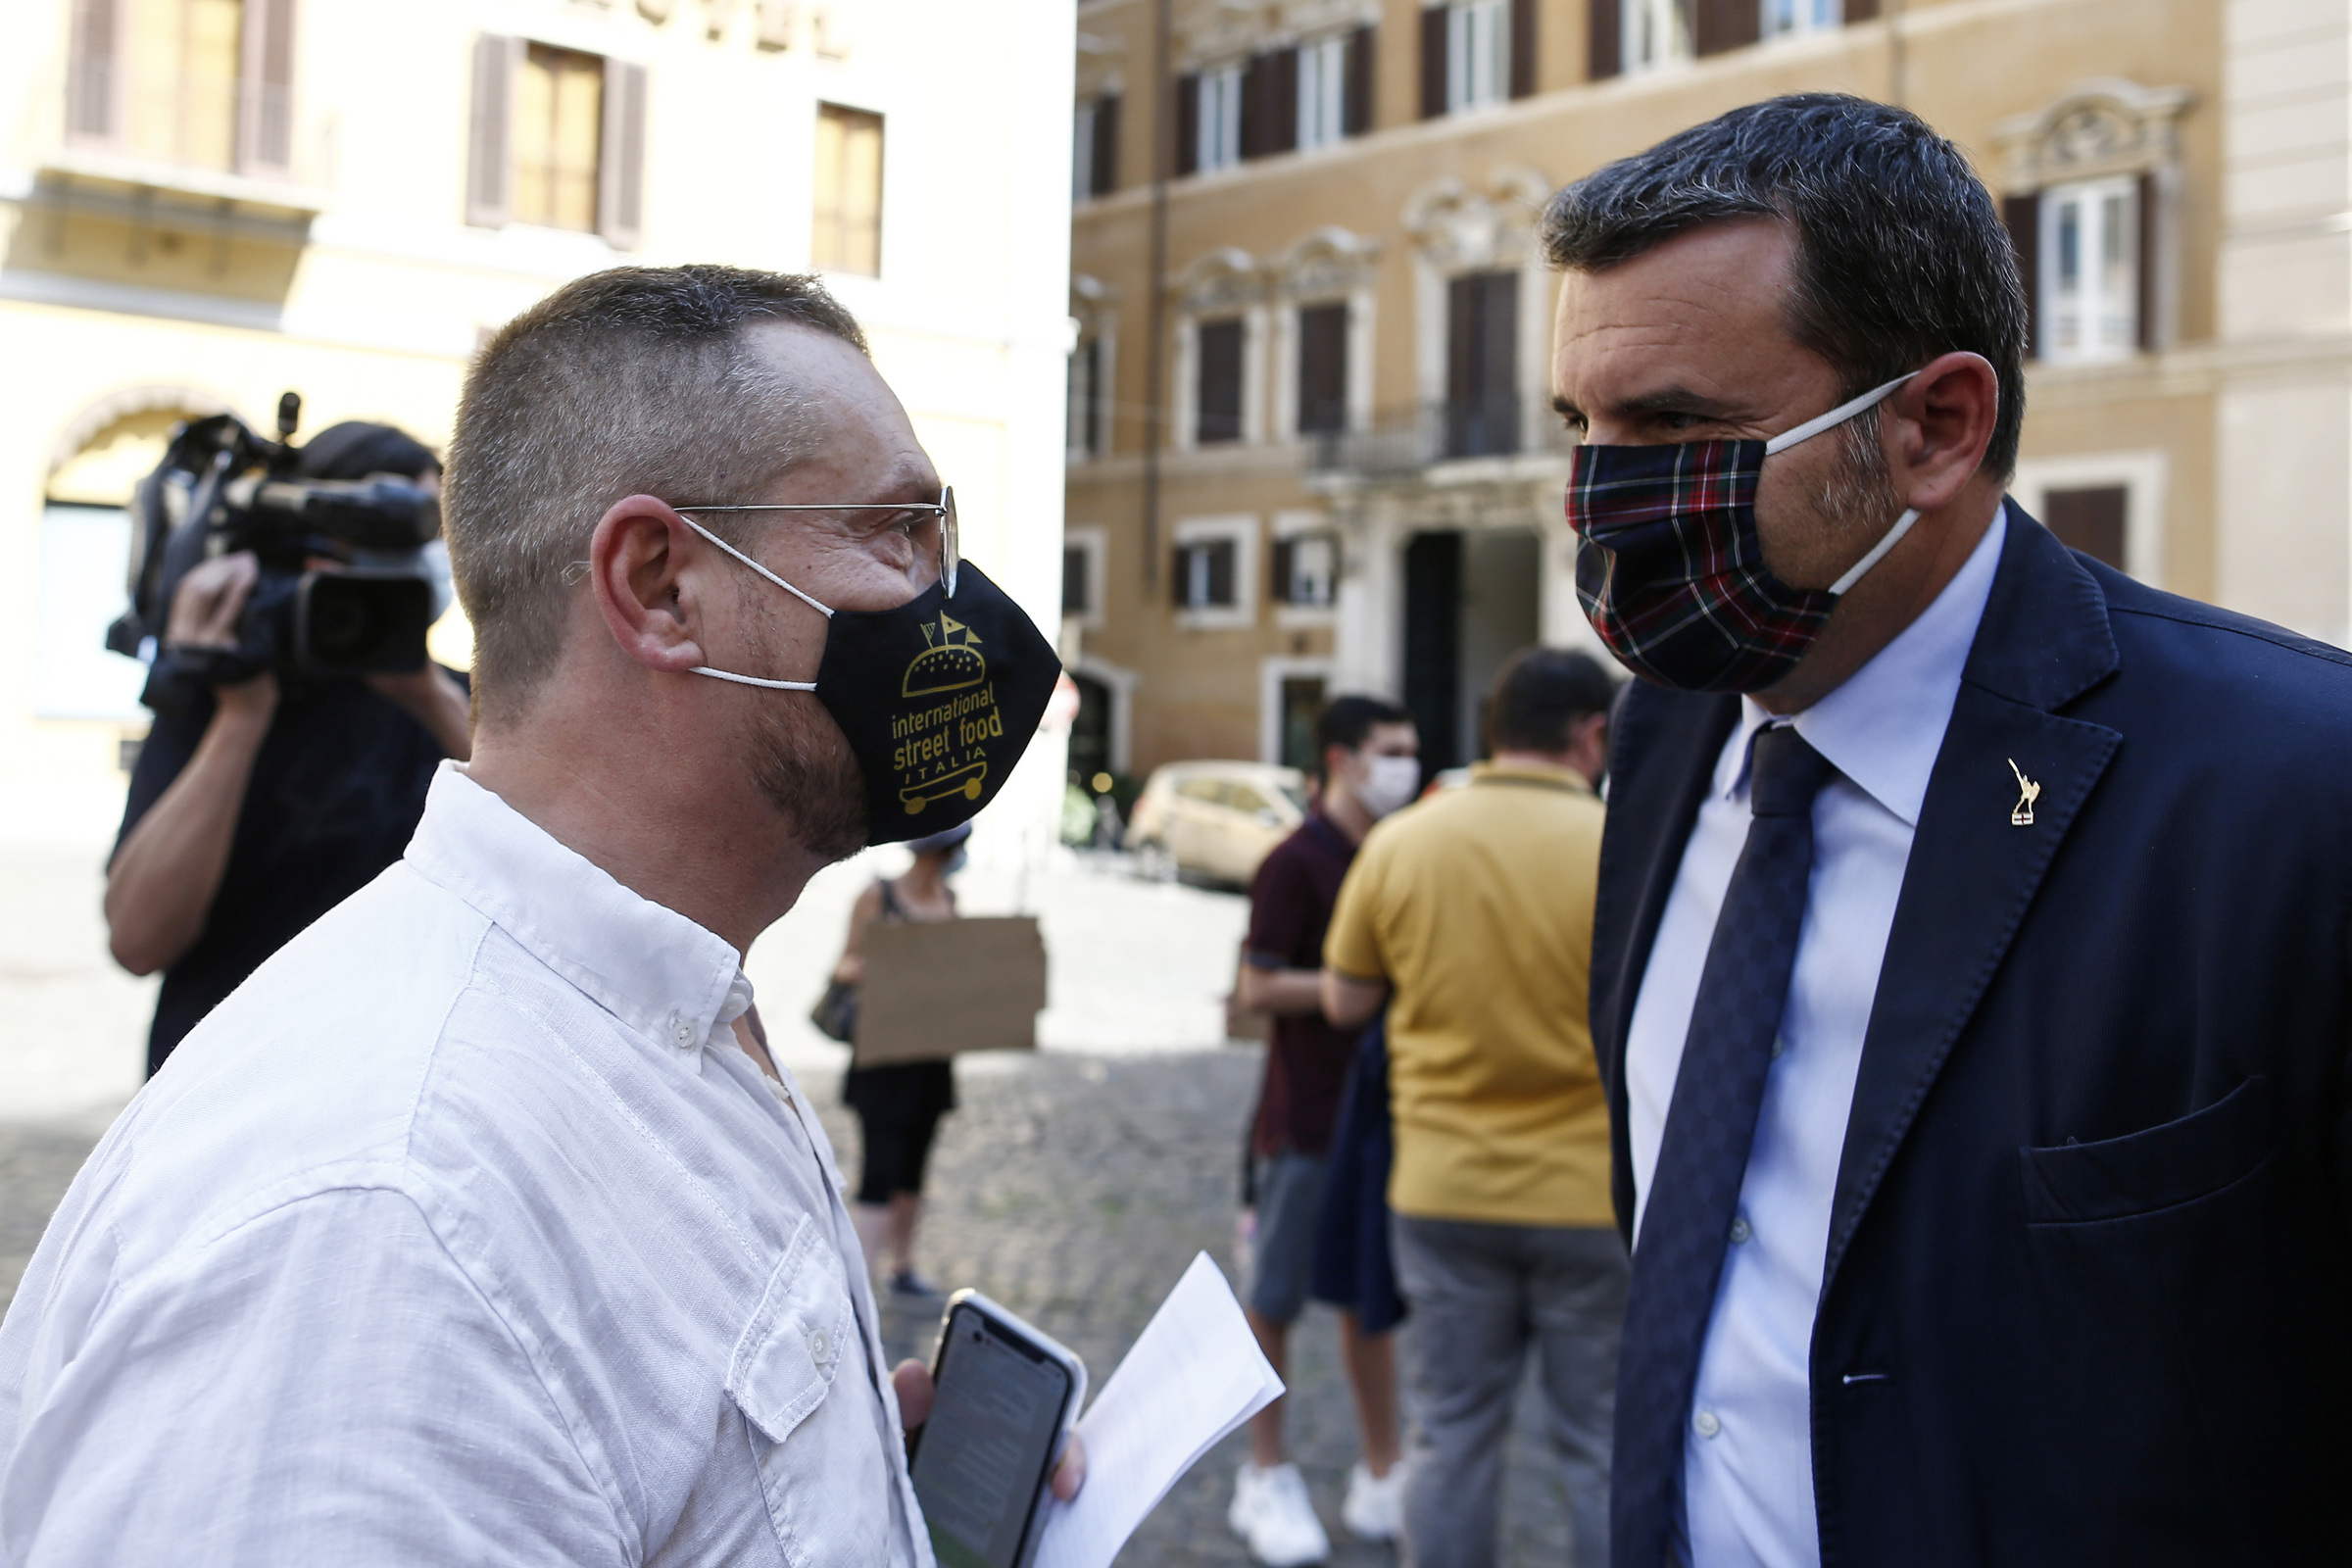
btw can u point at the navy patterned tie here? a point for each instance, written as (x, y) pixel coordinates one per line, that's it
(1710, 1123)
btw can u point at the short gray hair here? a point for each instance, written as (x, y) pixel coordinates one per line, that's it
(1900, 254)
(628, 381)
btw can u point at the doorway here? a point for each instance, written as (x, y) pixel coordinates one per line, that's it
(1471, 600)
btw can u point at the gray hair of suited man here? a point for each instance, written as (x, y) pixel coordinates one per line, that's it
(1901, 255)
(636, 380)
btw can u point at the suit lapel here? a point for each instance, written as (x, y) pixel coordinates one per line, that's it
(1667, 743)
(1972, 873)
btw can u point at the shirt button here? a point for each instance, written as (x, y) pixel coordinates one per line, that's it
(1706, 1423)
(680, 1030)
(821, 1345)
(1739, 1230)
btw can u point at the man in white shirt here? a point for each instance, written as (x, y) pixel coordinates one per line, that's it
(1972, 972)
(474, 1227)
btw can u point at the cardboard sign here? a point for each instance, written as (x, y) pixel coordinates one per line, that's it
(934, 988)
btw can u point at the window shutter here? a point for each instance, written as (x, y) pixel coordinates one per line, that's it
(1726, 25)
(1104, 168)
(620, 160)
(1286, 553)
(1322, 368)
(1255, 110)
(1217, 402)
(1523, 48)
(1861, 10)
(1282, 100)
(1220, 571)
(2022, 215)
(1433, 62)
(266, 90)
(1604, 40)
(96, 71)
(1355, 114)
(1180, 580)
(489, 163)
(1188, 122)
(2148, 263)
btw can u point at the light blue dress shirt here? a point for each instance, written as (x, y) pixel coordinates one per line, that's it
(1747, 1467)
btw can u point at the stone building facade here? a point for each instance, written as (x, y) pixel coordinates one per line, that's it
(1310, 447)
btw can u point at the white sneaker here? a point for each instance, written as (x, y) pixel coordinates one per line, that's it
(1273, 1513)
(1375, 1506)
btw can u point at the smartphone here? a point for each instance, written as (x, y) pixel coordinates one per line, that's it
(1003, 1398)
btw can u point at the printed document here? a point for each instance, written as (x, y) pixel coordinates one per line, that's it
(1194, 1375)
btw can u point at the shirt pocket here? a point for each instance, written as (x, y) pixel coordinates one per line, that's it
(2164, 1167)
(798, 1379)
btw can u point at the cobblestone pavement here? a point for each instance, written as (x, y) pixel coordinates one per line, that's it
(1075, 1190)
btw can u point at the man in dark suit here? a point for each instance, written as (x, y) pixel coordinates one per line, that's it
(1971, 963)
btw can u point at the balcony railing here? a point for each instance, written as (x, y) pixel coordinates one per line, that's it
(1412, 439)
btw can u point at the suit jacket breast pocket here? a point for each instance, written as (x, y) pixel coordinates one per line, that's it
(2164, 1167)
(799, 1378)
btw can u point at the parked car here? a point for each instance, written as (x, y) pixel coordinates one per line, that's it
(1214, 821)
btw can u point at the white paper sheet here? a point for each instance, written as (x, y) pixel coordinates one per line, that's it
(1192, 1377)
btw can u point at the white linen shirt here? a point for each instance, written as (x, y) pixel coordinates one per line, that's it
(462, 1232)
(1747, 1467)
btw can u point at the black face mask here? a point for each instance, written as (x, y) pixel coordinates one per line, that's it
(937, 697)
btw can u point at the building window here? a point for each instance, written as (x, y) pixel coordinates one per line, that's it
(1086, 400)
(1323, 91)
(1477, 54)
(1095, 141)
(1322, 368)
(206, 83)
(2092, 519)
(2089, 304)
(1481, 364)
(558, 120)
(1655, 33)
(1300, 700)
(1784, 19)
(1307, 570)
(1217, 135)
(1077, 580)
(558, 141)
(1217, 394)
(1206, 575)
(848, 235)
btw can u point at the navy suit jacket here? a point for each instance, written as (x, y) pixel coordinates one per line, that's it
(2089, 1290)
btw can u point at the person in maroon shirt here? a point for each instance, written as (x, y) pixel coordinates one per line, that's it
(1367, 764)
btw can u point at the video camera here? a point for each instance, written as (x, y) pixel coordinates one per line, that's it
(221, 488)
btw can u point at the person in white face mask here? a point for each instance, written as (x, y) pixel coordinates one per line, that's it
(1368, 766)
(1468, 918)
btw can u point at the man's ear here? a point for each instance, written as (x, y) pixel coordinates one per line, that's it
(636, 560)
(1937, 425)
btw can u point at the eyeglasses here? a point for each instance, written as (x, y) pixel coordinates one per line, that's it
(951, 548)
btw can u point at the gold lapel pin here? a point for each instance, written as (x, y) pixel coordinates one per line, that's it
(2028, 791)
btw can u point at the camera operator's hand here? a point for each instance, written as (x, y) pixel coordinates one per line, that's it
(209, 600)
(432, 696)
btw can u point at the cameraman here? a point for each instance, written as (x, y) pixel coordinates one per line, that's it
(256, 808)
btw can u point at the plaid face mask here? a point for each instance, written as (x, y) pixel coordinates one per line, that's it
(1669, 569)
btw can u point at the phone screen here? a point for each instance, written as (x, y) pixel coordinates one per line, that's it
(982, 1455)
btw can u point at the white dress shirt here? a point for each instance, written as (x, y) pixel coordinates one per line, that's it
(1747, 1468)
(462, 1232)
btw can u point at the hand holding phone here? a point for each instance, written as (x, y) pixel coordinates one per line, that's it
(1003, 1398)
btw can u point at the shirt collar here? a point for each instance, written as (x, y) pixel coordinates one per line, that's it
(649, 966)
(1558, 778)
(1882, 727)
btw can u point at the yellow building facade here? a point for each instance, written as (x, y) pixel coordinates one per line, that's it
(1310, 447)
(206, 203)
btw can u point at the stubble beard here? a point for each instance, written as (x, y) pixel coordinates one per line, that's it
(803, 764)
(1859, 501)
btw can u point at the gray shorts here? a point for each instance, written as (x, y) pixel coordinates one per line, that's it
(1290, 1201)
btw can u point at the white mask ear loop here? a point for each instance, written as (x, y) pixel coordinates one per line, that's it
(754, 680)
(1837, 417)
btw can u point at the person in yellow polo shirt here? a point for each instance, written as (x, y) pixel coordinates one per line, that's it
(1470, 916)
